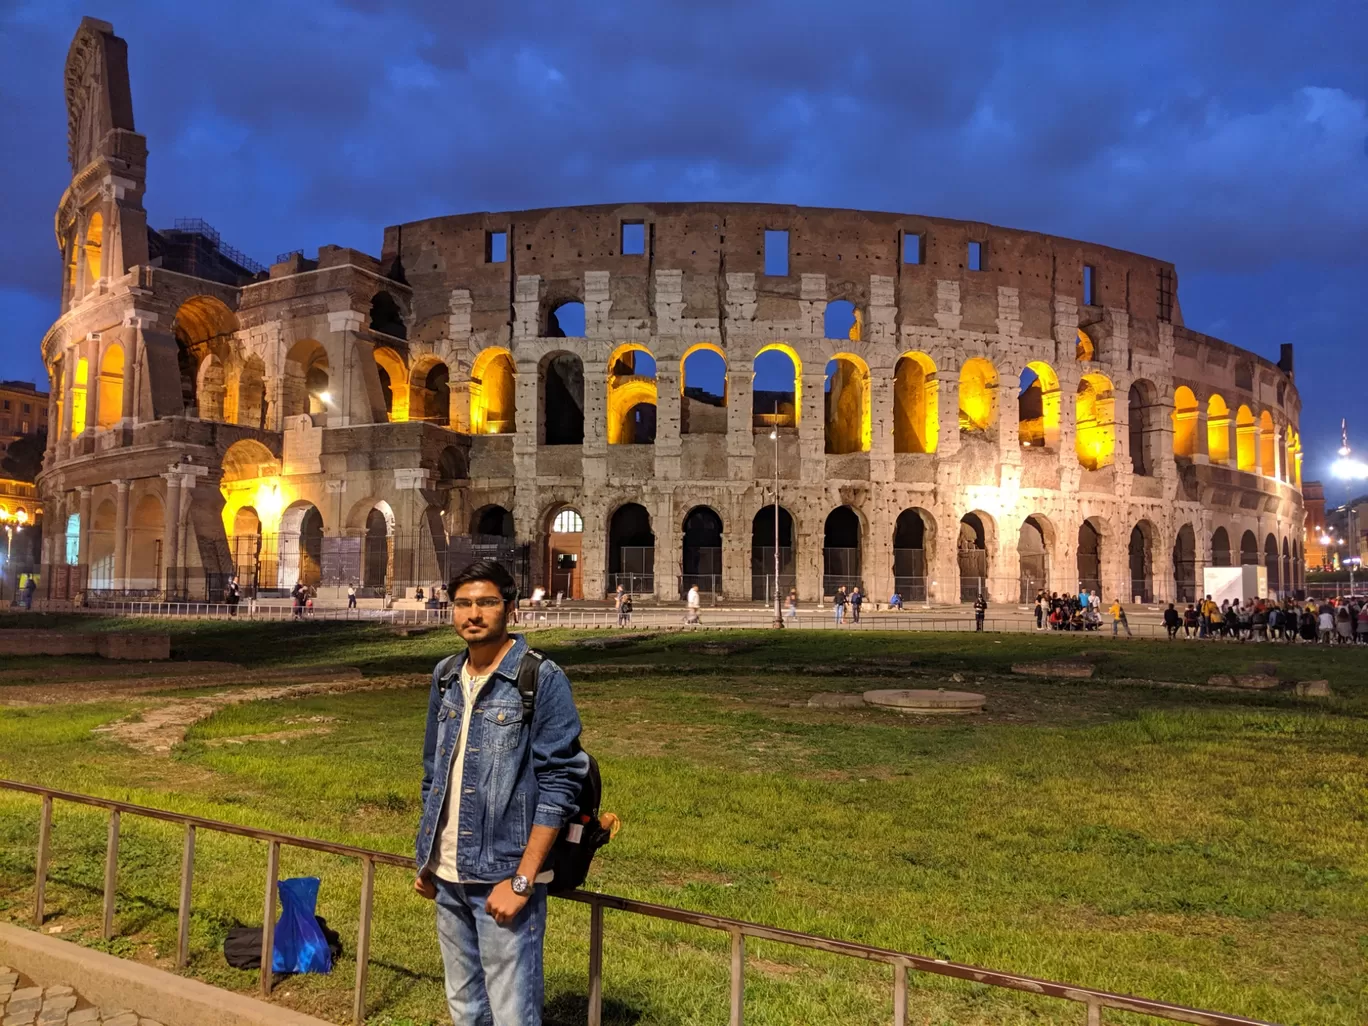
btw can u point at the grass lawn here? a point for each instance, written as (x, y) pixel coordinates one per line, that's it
(1198, 846)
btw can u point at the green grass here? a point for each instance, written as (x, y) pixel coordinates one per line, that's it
(1201, 847)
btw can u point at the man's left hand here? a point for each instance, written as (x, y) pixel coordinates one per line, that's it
(502, 904)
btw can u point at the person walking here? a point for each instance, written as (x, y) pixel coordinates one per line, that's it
(497, 790)
(625, 609)
(351, 596)
(30, 586)
(980, 610)
(1172, 621)
(1040, 611)
(618, 596)
(693, 603)
(1118, 616)
(839, 605)
(792, 611)
(299, 593)
(856, 600)
(232, 596)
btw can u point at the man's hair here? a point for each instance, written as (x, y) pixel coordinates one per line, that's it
(485, 570)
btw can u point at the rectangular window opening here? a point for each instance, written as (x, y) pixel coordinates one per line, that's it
(496, 247)
(912, 248)
(1089, 285)
(776, 252)
(975, 256)
(633, 238)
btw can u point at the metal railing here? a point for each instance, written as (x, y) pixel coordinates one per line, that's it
(1094, 1001)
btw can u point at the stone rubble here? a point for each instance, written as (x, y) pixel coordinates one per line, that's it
(22, 1004)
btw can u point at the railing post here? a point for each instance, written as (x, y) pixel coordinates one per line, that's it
(899, 994)
(363, 937)
(268, 918)
(111, 874)
(595, 964)
(738, 975)
(44, 843)
(187, 879)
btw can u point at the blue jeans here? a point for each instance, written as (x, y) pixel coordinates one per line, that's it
(493, 973)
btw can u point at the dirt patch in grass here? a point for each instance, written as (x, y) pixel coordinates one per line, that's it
(59, 691)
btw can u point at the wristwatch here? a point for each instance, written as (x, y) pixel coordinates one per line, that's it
(521, 885)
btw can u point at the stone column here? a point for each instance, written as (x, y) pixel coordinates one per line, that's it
(812, 423)
(121, 534)
(668, 444)
(84, 551)
(171, 532)
(740, 423)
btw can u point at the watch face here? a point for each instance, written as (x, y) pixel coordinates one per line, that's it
(520, 885)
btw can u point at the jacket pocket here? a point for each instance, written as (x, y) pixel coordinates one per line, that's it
(502, 727)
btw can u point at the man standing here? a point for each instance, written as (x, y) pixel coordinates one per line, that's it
(839, 604)
(497, 789)
(693, 602)
(351, 596)
(856, 600)
(233, 597)
(299, 593)
(980, 610)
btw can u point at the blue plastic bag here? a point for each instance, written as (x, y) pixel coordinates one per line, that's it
(300, 946)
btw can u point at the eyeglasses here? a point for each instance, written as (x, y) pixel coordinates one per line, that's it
(487, 602)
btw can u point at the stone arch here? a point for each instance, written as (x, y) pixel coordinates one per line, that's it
(848, 405)
(1246, 441)
(771, 406)
(377, 549)
(80, 391)
(842, 320)
(251, 393)
(1268, 445)
(974, 546)
(306, 379)
(493, 393)
(1095, 420)
(701, 551)
(560, 380)
(703, 390)
(386, 317)
(1271, 565)
(1143, 427)
(842, 538)
(1141, 558)
(492, 521)
(1249, 549)
(1035, 548)
(1185, 564)
(762, 553)
(246, 551)
(100, 557)
(94, 247)
(1091, 540)
(300, 545)
(631, 549)
(394, 382)
(1185, 412)
(146, 524)
(565, 320)
(978, 401)
(452, 467)
(1218, 430)
(564, 525)
(1220, 547)
(914, 535)
(1085, 350)
(203, 325)
(211, 388)
(430, 391)
(1038, 404)
(632, 395)
(109, 405)
(916, 404)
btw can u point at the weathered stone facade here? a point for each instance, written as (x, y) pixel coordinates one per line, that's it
(427, 394)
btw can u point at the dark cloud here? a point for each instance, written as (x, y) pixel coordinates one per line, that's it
(1231, 140)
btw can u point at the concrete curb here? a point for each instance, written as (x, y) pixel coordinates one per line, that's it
(117, 983)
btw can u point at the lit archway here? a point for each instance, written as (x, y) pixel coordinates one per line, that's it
(94, 247)
(1218, 430)
(251, 478)
(247, 552)
(1246, 441)
(978, 398)
(703, 390)
(306, 382)
(848, 409)
(79, 393)
(916, 404)
(777, 390)
(1184, 422)
(204, 326)
(211, 388)
(493, 395)
(632, 396)
(109, 406)
(1095, 417)
(393, 382)
(702, 552)
(1268, 446)
(1084, 349)
(1038, 407)
(430, 391)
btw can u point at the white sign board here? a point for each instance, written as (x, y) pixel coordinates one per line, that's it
(1235, 583)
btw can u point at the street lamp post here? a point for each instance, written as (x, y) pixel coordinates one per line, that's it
(12, 524)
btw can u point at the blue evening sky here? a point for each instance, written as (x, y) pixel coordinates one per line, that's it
(1229, 138)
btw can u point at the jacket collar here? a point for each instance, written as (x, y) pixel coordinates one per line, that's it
(508, 665)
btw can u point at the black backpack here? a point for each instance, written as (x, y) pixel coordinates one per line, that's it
(582, 837)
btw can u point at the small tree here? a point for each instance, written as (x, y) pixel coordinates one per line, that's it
(24, 457)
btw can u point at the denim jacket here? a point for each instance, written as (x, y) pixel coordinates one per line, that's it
(516, 776)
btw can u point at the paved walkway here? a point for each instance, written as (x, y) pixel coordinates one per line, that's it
(23, 1004)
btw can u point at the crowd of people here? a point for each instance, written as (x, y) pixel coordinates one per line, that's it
(1081, 612)
(1338, 621)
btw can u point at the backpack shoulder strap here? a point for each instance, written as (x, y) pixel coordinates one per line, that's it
(446, 672)
(529, 673)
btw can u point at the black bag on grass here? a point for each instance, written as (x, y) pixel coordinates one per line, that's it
(242, 946)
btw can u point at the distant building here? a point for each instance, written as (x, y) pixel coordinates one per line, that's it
(1347, 527)
(1313, 500)
(23, 411)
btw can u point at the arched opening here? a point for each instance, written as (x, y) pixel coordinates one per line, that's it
(430, 392)
(566, 321)
(631, 396)
(978, 403)
(562, 399)
(306, 379)
(1246, 443)
(300, 546)
(916, 397)
(1038, 408)
(251, 394)
(94, 246)
(1141, 552)
(762, 554)
(1249, 549)
(1268, 445)
(377, 555)
(1271, 565)
(703, 391)
(386, 317)
(211, 389)
(842, 320)
(492, 522)
(109, 406)
(493, 395)
(1095, 406)
(1142, 427)
(73, 539)
(1218, 431)
(702, 557)
(1084, 350)
(1033, 556)
(393, 382)
(145, 544)
(250, 562)
(1089, 556)
(203, 326)
(564, 548)
(79, 391)
(777, 389)
(841, 551)
(631, 550)
(972, 555)
(848, 419)
(1220, 547)
(1287, 578)
(451, 468)
(101, 555)
(910, 554)
(1184, 422)
(1185, 564)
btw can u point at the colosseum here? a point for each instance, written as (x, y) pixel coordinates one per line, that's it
(655, 395)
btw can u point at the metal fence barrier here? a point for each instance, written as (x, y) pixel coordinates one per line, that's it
(1093, 1001)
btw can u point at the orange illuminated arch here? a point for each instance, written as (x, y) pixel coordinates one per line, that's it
(1038, 407)
(978, 403)
(1084, 349)
(1184, 422)
(78, 397)
(109, 407)
(848, 406)
(796, 360)
(394, 382)
(1095, 417)
(1218, 430)
(916, 403)
(1268, 445)
(94, 246)
(1246, 442)
(493, 396)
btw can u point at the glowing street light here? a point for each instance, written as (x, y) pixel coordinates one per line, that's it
(11, 529)
(1346, 468)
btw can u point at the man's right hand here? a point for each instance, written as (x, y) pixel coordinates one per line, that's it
(425, 887)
